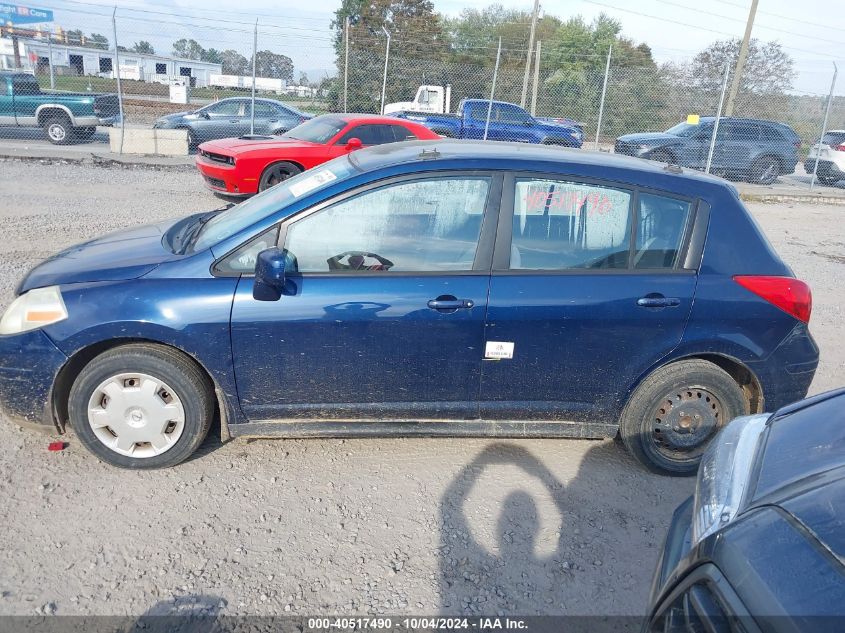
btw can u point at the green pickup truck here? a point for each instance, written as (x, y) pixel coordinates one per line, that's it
(65, 116)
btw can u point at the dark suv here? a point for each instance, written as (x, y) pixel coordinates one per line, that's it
(747, 149)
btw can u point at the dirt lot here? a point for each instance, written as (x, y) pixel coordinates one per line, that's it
(341, 527)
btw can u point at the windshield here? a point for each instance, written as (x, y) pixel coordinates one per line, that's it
(228, 223)
(318, 130)
(684, 129)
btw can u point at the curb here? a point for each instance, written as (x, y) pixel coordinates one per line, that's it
(799, 198)
(117, 161)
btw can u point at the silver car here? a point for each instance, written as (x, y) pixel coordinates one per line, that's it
(232, 117)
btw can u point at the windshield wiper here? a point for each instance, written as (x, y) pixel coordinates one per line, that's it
(188, 235)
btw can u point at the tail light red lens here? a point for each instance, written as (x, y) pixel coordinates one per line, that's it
(791, 295)
(840, 148)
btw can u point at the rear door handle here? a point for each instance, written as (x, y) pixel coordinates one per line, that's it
(658, 302)
(442, 303)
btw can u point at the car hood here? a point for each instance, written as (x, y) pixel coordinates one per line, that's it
(127, 254)
(559, 124)
(650, 138)
(232, 146)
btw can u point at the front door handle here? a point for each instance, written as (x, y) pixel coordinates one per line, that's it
(449, 303)
(658, 302)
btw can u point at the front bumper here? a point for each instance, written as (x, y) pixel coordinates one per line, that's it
(29, 363)
(827, 168)
(223, 178)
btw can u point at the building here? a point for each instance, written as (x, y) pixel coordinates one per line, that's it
(83, 60)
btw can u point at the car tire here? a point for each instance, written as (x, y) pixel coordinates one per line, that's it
(276, 173)
(84, 134)
(675, 412)
(58, 129)
(141, 406)
(765, 170)
(662, 156)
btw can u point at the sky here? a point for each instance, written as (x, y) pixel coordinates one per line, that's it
(674, 29)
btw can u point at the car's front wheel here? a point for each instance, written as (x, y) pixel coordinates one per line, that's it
(765, 170)
(277, 173)
(675, 413)
(141, 406)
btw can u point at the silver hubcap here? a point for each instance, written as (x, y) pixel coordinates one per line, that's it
(136, 415)
(56, 132)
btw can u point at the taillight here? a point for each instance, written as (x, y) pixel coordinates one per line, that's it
(840, 148)
(791, 295)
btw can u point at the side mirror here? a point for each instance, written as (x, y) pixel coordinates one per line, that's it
(354, 143)
(204, 115)
(270, 268)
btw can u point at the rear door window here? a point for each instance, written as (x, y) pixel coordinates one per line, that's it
(559, 225)
(401, 133)
(834, 138)
(661, 226)
(369, 134)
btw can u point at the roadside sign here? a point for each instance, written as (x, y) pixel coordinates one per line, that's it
(16, 14)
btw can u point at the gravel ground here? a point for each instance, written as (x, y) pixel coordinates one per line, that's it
(405, 526)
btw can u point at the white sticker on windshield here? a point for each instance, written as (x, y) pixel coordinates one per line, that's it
(312, 182)
(498, 350)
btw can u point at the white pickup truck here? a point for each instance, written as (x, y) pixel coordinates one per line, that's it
(431, 99)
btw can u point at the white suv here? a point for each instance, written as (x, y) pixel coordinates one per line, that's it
(831, 155)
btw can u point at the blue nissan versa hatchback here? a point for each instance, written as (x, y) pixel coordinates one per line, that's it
(427, 288)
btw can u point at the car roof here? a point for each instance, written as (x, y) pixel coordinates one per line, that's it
(529, 157)
(360, 117)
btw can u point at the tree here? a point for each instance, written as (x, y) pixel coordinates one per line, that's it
(270, 64)
(416, 49)
(188, 49)
(234, 63)
(303, 79)
(95, 40)
(143, 47)
(74, 37)
(768, 68)
(212, 55)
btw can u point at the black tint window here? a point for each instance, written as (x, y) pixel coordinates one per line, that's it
(690, 611)
(834, 138)
(661, 224)
(745, 131)
(369, 134)
(504, 113)
(401, 133)
(770, 134)
(264, 110)
(25, 86)
(560, 225)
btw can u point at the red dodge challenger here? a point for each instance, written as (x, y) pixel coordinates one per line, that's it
(244, 166)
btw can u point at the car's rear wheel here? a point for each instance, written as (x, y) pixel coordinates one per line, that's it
(765, 170)
(675, 413)
(58, 129)
(276, 173)
(141, 406)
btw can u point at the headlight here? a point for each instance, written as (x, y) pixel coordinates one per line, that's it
(723, 474)
(34, 309)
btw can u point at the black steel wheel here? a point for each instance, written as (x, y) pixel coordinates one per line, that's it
(676, 411)
(276, 173)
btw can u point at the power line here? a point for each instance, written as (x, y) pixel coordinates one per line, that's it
(783, 17)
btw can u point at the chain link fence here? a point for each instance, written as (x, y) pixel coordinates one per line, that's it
(570, 99)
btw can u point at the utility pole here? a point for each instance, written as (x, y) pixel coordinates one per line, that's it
(740, 60)
(254, 56)
(345, 60)
(530, 51)
(386, 59)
